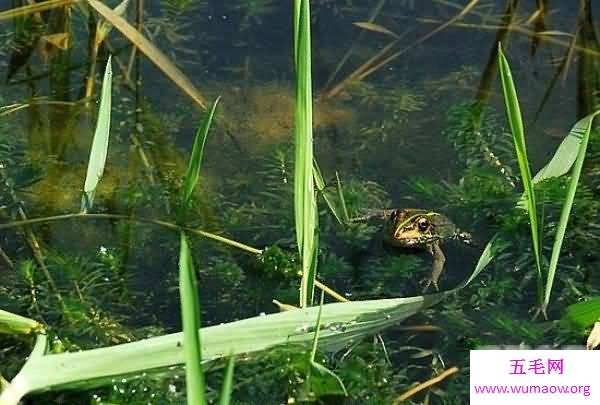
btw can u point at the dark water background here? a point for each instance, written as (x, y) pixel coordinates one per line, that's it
(246, 57)
(223, 37)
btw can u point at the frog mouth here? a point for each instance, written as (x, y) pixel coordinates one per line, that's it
(412, 237)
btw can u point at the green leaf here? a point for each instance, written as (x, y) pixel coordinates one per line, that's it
(567, 151)
(345, 215)
(305, 205)
(516, 125)
(343, 323)
(193, 171)
(338, 213)
(493, 247)
(190, 315)
(99, 149)
(582, 129)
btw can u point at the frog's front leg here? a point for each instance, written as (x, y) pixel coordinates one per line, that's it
(438, 264)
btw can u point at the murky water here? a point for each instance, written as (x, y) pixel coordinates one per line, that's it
(382, 134)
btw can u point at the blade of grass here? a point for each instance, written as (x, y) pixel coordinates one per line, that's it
(227, 387)
(340, 192)
(190, 316)
(584, 132)
(193, 171)
(99, 148)
(322, 188)
(150, 50)
(342, 323)
(305, 206)
(560, 164)
(319, 379)
(516, 125)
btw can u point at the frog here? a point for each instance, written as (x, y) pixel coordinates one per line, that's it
(419, 229)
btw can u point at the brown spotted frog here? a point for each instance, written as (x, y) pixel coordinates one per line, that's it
(419, 229)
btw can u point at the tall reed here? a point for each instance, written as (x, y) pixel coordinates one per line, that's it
(305, 205)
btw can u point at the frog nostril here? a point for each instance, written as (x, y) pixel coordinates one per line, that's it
(423, 224)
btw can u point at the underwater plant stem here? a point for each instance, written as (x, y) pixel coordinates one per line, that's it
(366, 69)
(31, 238)
(372, 16)
(511, 27)
(425, 384)
(7, 259)
(158, 222)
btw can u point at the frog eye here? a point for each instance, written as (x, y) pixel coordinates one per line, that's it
(423, 224)
(394, 215)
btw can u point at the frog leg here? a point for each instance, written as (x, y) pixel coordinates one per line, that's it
(438, 264)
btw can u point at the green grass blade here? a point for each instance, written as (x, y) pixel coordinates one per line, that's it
(305, 206)
(582, 131)
(315, 343)
(190, 316)
(338, 213)
(297, 8)
(99, 148)
(340, 192)
(227, 387)
(319, 379)
(566, 153)
(342, 323)
(489, 252)
(516, 125)
(193, 171)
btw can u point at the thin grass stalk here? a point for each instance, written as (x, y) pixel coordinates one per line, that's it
(322, 189)
(315, 343)
(372, 16)
(227, 386)
(190, 316)
(316, 370)
(165, 224)
(34, 8)
(304, 190)
(584, 131)
(340, 192)
(516, 125)
(370, 67)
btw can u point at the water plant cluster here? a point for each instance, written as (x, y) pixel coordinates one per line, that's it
(168, 277)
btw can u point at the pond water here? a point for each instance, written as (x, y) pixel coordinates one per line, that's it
(425, 130)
